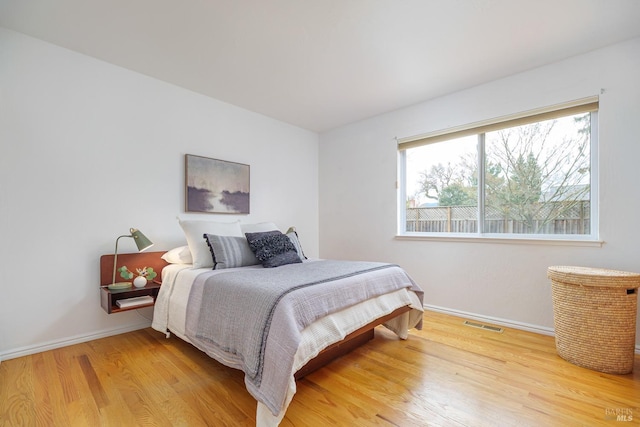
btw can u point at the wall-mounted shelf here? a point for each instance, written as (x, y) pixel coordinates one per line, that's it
(110, 297)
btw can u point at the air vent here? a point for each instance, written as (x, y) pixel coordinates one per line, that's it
(483, 326)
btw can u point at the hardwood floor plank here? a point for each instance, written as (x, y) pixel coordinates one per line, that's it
(46, 392)
(98, 393)
(447, 374)
(17, 396)
(64, 370)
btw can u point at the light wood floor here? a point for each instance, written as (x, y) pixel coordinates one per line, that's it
(446, 375)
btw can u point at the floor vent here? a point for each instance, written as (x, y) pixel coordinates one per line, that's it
(482, 326)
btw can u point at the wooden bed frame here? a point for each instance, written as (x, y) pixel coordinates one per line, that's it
(349, 343)
(352, 341)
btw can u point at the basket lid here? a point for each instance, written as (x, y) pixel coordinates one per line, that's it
(589, 276)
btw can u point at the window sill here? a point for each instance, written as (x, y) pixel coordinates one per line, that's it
(469, 238)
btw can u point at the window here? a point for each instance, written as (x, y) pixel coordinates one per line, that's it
(530, 175)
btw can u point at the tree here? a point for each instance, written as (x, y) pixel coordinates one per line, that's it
(544, 177)
(434, 181)
(523, 190)
(494, 183)
(457, 194)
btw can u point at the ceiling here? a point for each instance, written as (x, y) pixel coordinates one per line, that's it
(320, 64)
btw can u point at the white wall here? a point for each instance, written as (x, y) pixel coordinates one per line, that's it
(88, 150)
(496, 281)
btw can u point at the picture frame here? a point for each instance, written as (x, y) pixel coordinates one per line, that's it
(216, 186)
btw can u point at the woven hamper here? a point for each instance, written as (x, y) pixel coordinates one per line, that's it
(594, 314)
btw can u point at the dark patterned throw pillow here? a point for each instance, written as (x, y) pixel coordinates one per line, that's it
(273, 248)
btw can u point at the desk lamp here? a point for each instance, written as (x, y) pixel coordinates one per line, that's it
(141, 242)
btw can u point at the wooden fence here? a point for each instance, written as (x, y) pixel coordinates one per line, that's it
(567, 217)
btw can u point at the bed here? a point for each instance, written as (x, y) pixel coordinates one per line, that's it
(279, 324)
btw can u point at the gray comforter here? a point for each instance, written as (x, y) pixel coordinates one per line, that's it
(230, 314)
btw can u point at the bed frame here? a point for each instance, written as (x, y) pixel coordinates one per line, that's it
(349, 343)
(352, 341)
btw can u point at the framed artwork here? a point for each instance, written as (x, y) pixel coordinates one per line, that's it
(216, 186)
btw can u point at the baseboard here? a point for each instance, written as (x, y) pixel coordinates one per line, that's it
(495, 320)
(51, 345)
(499, 321)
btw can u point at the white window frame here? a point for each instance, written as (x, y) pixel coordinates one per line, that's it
(590, 104)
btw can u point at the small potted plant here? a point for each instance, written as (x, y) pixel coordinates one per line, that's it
(144, 274)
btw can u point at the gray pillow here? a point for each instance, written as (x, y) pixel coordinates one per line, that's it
(273, 248)
(230, 251)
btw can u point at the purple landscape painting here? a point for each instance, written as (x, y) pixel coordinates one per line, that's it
(216, 186)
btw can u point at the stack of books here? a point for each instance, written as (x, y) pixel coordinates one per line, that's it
(133, 302)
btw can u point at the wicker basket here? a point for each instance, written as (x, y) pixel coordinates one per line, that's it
(594, 313)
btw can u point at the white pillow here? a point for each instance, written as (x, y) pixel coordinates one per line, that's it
(258, 228)
(179, 255)
(195, 230)
(292, 234)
